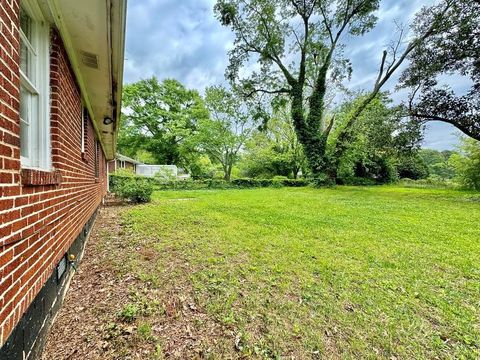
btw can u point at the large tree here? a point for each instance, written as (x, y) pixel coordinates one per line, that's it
(453, 51)
(298, 45)
(224, 134)
(159, 118)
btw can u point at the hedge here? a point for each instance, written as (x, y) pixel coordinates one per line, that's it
(117, 181)
(136, 189)
(243, 183)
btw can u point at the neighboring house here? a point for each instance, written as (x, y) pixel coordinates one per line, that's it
(123, 162)
(61, 67)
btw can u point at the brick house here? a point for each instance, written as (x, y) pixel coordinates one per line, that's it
(123, 162)
(61, 67)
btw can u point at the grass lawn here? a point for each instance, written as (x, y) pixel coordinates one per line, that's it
(379, 272)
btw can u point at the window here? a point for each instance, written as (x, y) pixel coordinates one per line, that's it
(97, 159)
(84, 128)
(34, 88)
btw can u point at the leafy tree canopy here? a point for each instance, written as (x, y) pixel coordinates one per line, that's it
(223, 135)
(453, 50)
(158, 118)
(298, 46)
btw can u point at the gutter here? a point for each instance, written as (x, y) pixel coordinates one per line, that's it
(118, 14)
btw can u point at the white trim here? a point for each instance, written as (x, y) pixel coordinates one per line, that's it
(82, 127)
(27, 83)
(38, 86)
(24, 38)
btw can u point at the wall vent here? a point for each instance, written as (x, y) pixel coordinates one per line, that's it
(89, 59)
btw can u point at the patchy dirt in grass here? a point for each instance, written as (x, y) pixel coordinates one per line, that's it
(110, 313)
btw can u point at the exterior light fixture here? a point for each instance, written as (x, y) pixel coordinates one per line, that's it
(107, 120)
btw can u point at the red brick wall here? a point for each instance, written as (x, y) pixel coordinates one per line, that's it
(41, 213)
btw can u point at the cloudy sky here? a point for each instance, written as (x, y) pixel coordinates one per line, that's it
(181, 39)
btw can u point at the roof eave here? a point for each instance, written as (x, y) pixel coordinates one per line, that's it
(64, 14)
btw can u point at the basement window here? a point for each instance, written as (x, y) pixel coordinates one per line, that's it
(34, 88)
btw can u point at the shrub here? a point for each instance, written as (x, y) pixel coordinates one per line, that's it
(322, 181)
(277, 183)
(218, 184)
(135, 189)
(246, 183)
(125, 172)
(359, 181)
(114, 180)
(295, 182)
(412, 167)
(434, 182)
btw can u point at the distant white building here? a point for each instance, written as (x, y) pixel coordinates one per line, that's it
(151, 170)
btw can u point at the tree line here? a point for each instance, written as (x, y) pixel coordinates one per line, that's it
(279, 120)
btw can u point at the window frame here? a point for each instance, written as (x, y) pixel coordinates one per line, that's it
(97, 159)
(84, 127)
(37, 85)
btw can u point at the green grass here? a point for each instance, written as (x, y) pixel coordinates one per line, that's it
(379, 272)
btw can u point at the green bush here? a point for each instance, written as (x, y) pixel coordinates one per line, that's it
(412, 167)
(246, 183)
(136, 189)
(277, 184)
(185, 185)
(124, 172)
(114, 180)
(359, 181)
(322, 181)
(217, 184)
(433, 182)
(295, 182)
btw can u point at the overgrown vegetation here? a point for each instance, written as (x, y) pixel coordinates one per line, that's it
(135, 189)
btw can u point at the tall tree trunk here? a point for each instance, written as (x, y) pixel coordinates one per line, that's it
(227, 170)
(310, 135)
(315, 147)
